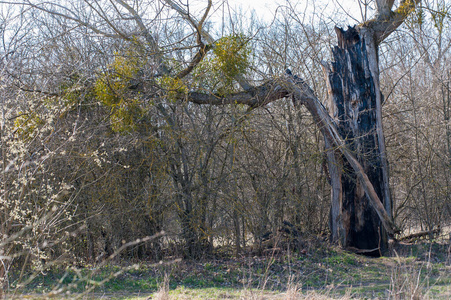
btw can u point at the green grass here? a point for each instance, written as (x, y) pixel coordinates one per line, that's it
(324, 271)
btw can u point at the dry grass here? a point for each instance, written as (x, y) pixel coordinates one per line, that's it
(406, 283)
(163, 290)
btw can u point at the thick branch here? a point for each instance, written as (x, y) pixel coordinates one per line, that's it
(420, 234)
(387, 22)
(384, 7)
(258, 96)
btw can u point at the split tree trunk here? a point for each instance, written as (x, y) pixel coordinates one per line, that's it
(355, 105)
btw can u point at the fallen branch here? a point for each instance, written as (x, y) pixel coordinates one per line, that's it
(420, 234)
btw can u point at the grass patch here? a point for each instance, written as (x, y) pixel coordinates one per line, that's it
(327, 272)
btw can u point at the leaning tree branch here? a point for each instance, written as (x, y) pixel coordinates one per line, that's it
(304, 95)
(420, 234)
(257, 97)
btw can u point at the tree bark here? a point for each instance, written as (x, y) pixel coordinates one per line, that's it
(355, 105)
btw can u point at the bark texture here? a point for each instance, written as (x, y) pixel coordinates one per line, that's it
(354, 105)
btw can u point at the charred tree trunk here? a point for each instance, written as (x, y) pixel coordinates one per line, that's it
(355, 105)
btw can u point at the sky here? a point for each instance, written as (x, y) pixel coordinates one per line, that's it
(264, 8)
(328, 8)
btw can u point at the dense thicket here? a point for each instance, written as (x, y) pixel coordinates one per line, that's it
(98, 148)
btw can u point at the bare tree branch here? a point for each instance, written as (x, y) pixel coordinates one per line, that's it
(185, 15)
(203, 49)
(147, 35)
(73, 17)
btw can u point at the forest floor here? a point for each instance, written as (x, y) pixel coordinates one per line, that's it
(417, 271)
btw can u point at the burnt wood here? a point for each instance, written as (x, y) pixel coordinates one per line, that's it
(353, 93)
